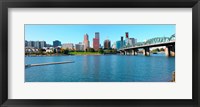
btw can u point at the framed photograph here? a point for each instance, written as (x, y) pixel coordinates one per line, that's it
(140, 53)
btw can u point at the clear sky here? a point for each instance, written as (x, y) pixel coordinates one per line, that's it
(75, 33)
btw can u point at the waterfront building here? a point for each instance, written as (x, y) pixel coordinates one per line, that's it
(49, 50)
(86, 41)
(56, 43)
(107, 44)
(79, 47)
(96, 41)
(37, 44)
(26, 43)
(31, 49)
(31, 44)
(69, 46)
(42, 44)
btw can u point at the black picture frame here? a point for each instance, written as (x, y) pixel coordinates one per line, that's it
(5, 4)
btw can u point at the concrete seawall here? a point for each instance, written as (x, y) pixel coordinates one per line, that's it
(50, 63)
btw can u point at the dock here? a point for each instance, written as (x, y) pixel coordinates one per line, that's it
(49, 63)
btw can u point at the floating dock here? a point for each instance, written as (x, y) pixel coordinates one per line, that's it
(50, 63)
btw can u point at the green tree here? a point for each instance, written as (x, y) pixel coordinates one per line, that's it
(162, 49)
(54, 50)
(66, 51)
(101, 51)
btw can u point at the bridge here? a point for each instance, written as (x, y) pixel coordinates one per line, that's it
(169, 42)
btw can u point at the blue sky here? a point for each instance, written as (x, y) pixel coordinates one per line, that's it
(74, 33)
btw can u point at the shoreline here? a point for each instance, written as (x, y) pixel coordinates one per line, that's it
(70, 55)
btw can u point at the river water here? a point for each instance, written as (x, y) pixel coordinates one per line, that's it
(101, 68)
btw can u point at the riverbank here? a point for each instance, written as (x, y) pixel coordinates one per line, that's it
(85, 53)
(70, 53)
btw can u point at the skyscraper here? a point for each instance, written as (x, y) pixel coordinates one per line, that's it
(131, 41)
(118, 45)
(107, 44)
(96, 41)
(56, 43)
(126, 34)
(86, 41)
(122, 42)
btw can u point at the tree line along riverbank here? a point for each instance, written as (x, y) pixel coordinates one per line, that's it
(71, 52)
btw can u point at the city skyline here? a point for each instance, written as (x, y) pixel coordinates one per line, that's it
(75, 33)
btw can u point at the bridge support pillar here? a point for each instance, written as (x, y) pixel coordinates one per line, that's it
(146, 51)
(170, 50)
(134, 52)
(129, 52)
(125, 52)
(122, 53)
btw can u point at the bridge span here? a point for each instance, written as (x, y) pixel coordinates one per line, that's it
(169, 50)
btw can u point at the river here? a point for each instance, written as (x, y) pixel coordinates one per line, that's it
(101, 68)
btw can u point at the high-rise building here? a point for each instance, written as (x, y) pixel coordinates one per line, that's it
(131, 42)
(69, 46)
(118, 45)
(86, 41)
(107, 44)
(122, 42)
(96, 41)
(97, 35)
(127, 39)
(56, 43)
(126, 34)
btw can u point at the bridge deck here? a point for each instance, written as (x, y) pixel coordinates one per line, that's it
(149, 45)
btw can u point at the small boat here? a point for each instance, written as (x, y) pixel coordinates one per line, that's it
(155, 53)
